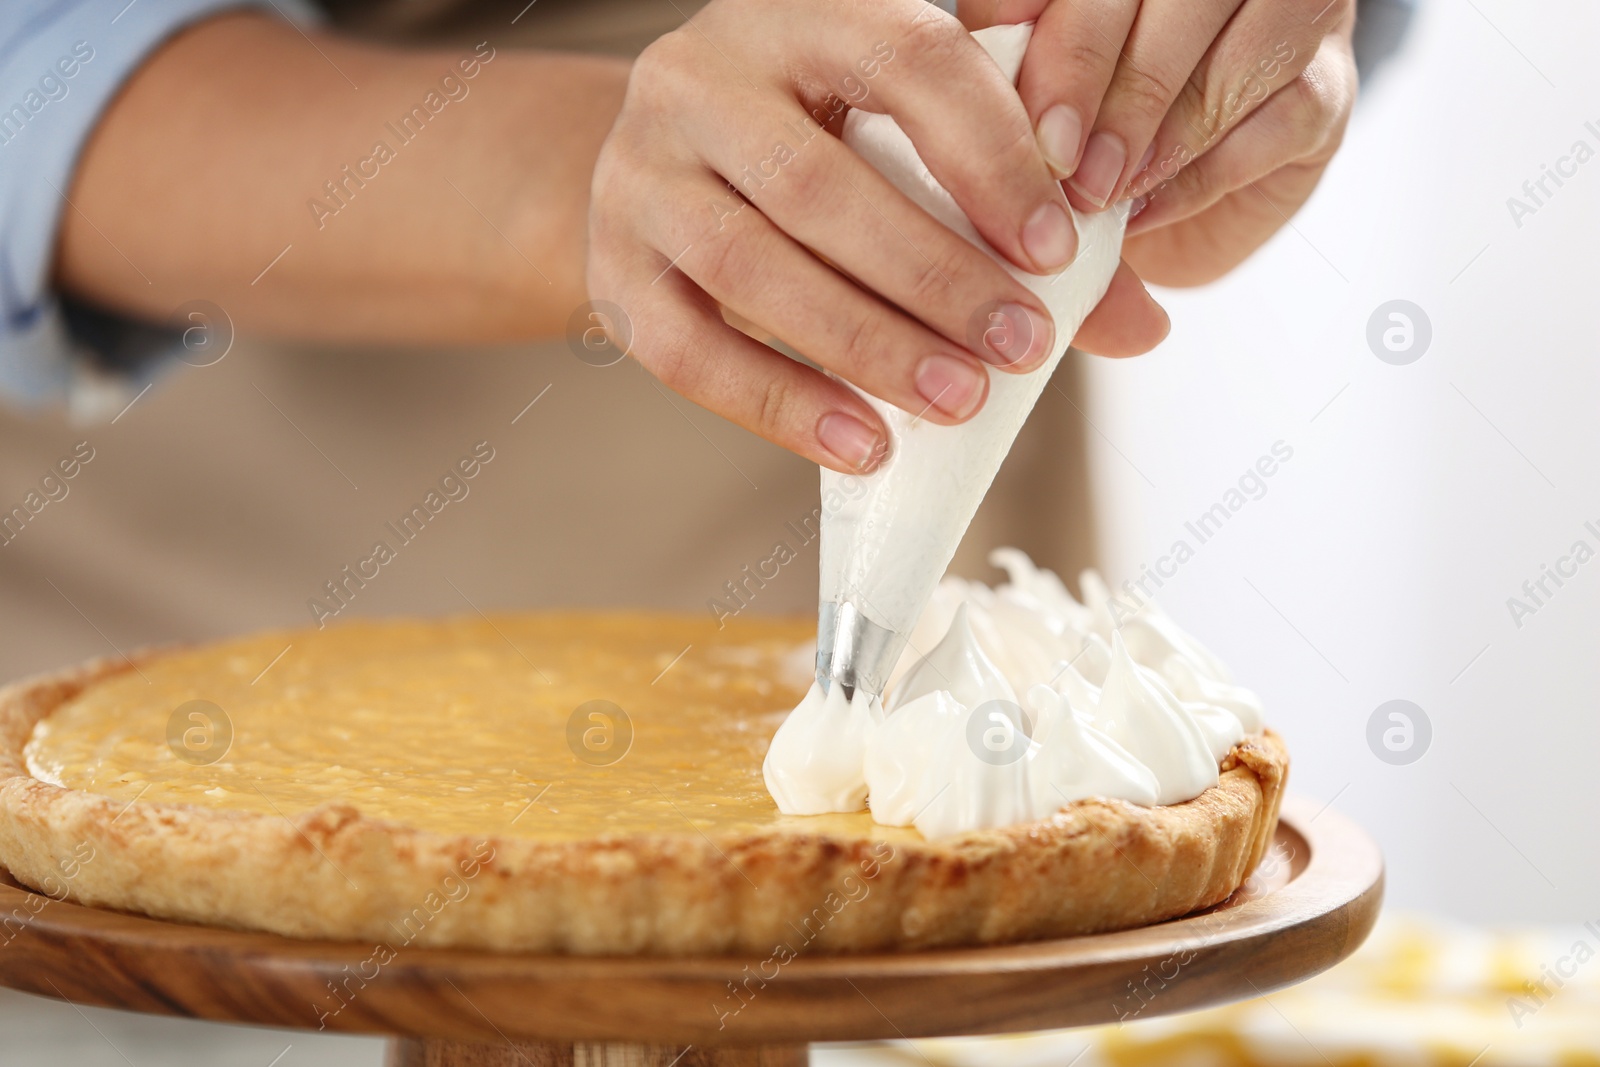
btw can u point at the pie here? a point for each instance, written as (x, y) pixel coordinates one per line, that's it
(559, 783)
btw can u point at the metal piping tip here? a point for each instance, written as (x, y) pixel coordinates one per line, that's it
(854, 651)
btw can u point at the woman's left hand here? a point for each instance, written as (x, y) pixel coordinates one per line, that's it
(1215, 117)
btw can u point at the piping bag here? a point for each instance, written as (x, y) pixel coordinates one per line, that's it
(888, 536)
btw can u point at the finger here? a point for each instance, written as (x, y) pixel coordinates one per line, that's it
(1206, 246)
(1126, 322)
(1263, 49)
(1300, 124)
(824, 196)
(1202, 247)
(679, 336)
(980, 14)
(1070, 61)
(763, 275)
(970, 128)
(1168, 38)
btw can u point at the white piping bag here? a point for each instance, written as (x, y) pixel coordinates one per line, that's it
(887, 537)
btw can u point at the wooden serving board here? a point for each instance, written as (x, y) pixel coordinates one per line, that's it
(1310, 905)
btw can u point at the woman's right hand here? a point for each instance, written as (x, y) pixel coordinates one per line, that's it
(816, 247)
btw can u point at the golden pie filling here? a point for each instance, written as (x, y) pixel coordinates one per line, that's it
(556, 727)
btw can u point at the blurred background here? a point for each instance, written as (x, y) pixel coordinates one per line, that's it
(1424, 346)
(1379, 564)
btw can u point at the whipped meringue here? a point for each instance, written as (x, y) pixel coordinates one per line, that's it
(813, 765)
(1027, 701)
(957, 666)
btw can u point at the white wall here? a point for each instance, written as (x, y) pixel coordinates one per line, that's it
(1379, 562)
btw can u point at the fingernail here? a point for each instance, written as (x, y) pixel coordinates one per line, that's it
(1018, 337)
(1101, 166)
(1060, 129)
(1141, 177)
(1144, 160)
(852, 440)
(952, 385)
(1049, 237)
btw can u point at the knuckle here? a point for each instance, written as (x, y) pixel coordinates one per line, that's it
(722, 261)
(1082, 57)
(724, 214)
(1017, 142)
(1309, 95)
(660, 65)
(936, 36)
(652, 75)
(807, 189)
(1146, 93)
(772, 412)
(863, 343)
(1334, 69)
(1194, 185)
(1023, 179)
(608, 183)
(943, 267)
(669, 355)
(938, 274)
(666, 82)
(1317, 99)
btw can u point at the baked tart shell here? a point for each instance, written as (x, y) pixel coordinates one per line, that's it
(334, 874)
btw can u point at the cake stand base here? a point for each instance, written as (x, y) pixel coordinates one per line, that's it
(406, 1052)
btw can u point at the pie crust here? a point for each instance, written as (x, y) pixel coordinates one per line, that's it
(331, 872)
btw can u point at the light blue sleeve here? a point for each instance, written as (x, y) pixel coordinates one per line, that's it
(61, 63)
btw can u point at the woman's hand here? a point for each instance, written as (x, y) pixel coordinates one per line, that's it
(723, 184)
(1216, 117)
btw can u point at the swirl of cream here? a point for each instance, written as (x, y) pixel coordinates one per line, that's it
(923, 766)
(1194, 688)
(1136, 711)
(923, 770)
(1150, 634)
(1077, 760)
(815, 762)
(956, 665)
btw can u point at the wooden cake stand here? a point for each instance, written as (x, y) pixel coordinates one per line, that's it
(1309, 906)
